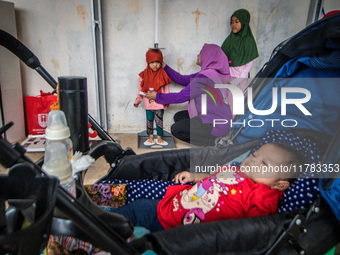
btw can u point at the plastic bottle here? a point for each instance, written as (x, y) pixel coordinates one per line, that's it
(59, 151)
(57, 130)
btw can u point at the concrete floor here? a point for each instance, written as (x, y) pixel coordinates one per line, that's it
(100, 167)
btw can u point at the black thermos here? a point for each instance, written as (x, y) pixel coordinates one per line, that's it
(73, 102)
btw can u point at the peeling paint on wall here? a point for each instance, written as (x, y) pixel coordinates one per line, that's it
(82, 13)
(273, 13)
(180, 62)
(120, 26)
(134, 6)
(197, 14)
(56, 64)
(214, 21)
(193, 66)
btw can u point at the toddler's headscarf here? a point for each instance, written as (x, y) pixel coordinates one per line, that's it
(241, 48)
(153, 80)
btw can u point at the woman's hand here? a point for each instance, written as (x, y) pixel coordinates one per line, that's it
(151, 95)
(183, 177)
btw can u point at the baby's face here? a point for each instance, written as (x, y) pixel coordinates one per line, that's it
(154, 66)
(269, 156)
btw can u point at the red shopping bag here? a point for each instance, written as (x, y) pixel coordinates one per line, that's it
(37, 109)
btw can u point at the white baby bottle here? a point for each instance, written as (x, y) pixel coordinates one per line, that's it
(59, 151)
(57, 130)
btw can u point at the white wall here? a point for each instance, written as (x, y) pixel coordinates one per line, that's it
(331, 5)
(59, 33)
(129, 32)
(11, 108)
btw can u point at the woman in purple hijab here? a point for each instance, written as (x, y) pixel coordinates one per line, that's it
(208, 116)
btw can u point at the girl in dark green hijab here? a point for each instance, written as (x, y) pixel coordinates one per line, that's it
(240, 46)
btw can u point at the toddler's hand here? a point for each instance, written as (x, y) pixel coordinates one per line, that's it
(136, 105)
(183, 177)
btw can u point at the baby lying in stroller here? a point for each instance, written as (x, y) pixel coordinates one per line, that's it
(253, 188)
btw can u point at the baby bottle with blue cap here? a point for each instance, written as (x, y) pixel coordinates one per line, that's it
(59, 151)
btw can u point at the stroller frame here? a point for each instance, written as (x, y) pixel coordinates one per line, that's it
(82, 219)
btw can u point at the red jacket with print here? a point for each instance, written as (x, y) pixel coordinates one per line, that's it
(223, 195)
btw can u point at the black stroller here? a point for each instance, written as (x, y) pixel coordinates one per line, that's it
(310, 230)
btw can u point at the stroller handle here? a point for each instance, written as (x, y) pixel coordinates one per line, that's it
(20, 50)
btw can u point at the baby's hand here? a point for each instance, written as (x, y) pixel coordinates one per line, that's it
(183, 177)
(135, 105)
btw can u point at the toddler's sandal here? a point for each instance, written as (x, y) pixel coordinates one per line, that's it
(164, 143)
(147, 143)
